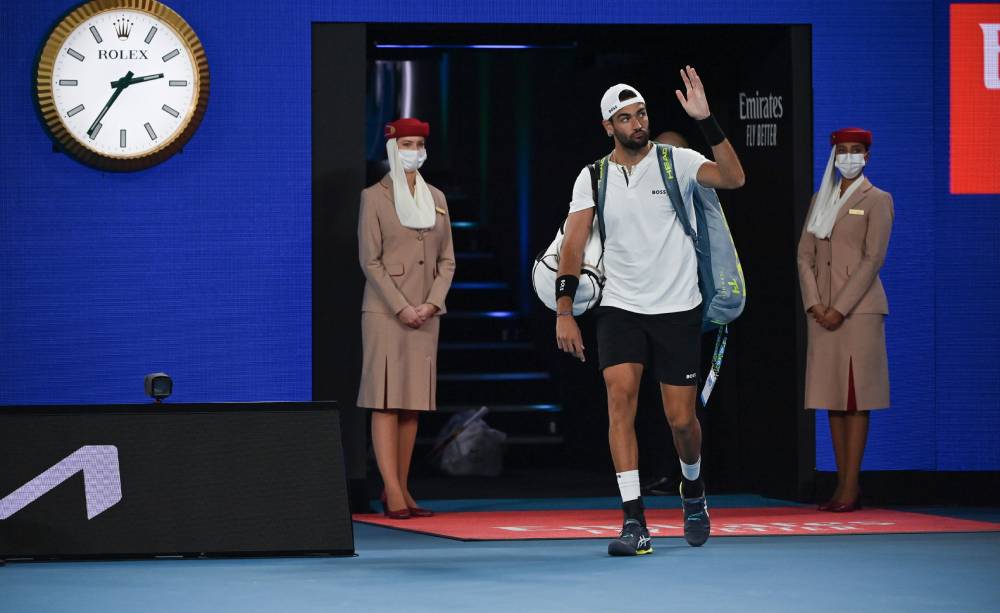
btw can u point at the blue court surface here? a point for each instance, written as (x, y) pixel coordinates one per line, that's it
(400, 571)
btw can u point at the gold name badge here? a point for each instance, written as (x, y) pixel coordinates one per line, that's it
(440, 210)
(856, 211)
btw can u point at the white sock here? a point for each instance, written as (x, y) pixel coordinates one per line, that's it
(628, 485)
(691, 471)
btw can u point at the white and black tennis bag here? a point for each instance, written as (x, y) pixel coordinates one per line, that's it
(546, 270)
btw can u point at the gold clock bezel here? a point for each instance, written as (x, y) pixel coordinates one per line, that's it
(53, 119)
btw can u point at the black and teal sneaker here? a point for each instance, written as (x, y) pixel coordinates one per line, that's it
(633, 541)
(697, 525)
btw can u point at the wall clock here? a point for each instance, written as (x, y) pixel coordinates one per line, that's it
(122, 84)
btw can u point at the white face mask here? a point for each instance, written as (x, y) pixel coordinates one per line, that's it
(850, 164)
(412, 159)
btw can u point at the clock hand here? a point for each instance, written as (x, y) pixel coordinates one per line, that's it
(123, 83)
(134, 80)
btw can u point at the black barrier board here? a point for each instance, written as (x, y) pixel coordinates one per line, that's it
(134, 480)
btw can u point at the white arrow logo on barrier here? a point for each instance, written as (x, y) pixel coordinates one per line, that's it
(102, 482)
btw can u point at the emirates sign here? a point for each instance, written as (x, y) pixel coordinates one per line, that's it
(975, 98)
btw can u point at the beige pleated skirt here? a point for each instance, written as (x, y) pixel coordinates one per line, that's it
(399, 369)
(852, 356)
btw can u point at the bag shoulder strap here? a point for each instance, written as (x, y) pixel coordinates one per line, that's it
(665, 155)
(599, 187)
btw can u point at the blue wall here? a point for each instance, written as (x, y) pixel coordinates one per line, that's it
(966, 296)
(82, 316)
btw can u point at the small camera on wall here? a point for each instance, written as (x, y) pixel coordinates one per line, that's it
(158, 386)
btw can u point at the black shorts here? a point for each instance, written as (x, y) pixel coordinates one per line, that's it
(672, 341)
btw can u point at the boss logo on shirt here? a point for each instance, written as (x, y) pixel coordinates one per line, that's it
(659, 192)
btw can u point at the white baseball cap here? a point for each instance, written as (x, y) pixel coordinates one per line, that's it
(610, 104)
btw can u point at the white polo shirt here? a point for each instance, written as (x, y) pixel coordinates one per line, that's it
(649, 262)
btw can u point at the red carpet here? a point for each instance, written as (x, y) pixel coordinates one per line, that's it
(764, 521)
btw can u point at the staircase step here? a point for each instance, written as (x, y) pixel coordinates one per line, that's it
(477, 266)
(511, 440)
(490, 326)
(486, 346)
(468, 296)
(467, 235)
(540, 421)
(495, 376)
(489, 357)
(484, 314)
(503, 408)
(478, 391)
(480, 285)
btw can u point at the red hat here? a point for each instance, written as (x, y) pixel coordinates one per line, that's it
(407, 127)
(852, 135)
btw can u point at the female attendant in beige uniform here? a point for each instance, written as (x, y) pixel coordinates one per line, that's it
(840, 253)
(406, 253)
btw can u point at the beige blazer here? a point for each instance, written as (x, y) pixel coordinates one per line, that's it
(403, 266)
(842, 271)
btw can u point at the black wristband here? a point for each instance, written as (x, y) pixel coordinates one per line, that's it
(711, 130)
(566, 286)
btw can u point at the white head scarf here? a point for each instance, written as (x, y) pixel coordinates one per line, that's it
(415, 210)
(829, 201)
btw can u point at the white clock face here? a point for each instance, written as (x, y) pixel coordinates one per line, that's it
(124, 83)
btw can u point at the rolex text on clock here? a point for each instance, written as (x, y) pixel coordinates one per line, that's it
(122, 84)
